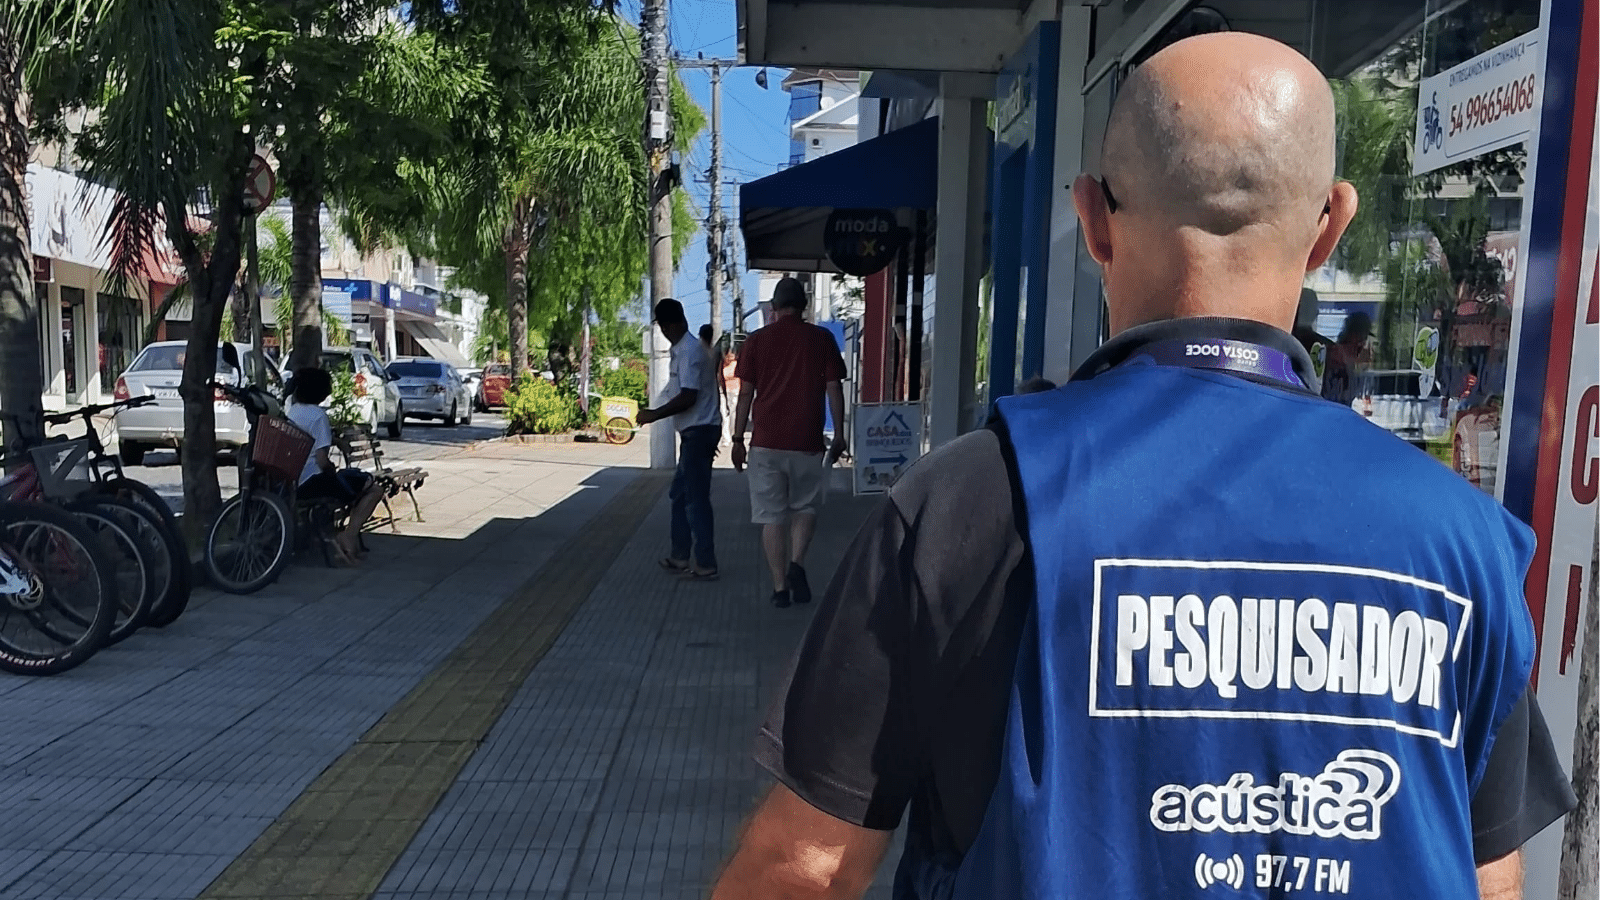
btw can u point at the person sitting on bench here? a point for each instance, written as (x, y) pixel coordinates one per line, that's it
(351, 488)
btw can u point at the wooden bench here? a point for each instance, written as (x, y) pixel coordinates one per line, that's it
(362, 451)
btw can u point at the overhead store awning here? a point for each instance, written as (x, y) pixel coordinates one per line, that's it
(434, 341)
(783, 215)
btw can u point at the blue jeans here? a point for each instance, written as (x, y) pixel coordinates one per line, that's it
(692, 520)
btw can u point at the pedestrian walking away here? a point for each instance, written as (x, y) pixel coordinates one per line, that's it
(1177, 627)
(690, 401)
(785, 371)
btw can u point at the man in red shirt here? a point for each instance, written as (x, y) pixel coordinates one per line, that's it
(785, 370)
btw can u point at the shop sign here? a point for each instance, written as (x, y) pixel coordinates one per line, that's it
(43, 272)
(862, 242)
(1488, 102)
(336, 303)
(1551, 446)
(68, 217)
(361, 318)
(888, 439)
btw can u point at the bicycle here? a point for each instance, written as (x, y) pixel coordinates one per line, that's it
(252, 538)
(58, 584)
(138, 508)
(47, 472)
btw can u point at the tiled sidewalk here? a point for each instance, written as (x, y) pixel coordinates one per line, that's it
(177, 765)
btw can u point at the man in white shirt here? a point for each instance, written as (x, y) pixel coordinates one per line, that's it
(692, 405)
(320, 478)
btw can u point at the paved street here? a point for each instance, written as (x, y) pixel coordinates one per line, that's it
(508, 699)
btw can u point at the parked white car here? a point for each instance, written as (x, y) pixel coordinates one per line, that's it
(157, 371)
(377, 396)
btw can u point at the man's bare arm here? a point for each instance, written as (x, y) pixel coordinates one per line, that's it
(1501, 879)
(741, 413)
(836, 406)
(790, 850)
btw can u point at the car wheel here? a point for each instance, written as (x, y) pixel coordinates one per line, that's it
(452, 419)
(467, 420)
(132, 454)
(397, 427)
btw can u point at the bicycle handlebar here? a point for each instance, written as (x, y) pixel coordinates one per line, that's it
(97, 408)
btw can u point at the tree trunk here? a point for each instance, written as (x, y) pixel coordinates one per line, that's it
(240, 309)
(211, 282)
(21, 381)
(1580, 871)
(305, 278)
(519, 238)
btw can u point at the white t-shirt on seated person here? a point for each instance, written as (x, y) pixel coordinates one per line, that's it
(693, 368)
(313, 420)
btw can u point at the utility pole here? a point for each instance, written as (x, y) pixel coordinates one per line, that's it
(714, 239)
(660, 172)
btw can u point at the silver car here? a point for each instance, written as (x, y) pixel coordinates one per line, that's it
(157, 371)
(431, 389)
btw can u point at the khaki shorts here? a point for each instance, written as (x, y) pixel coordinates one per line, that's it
(783, 483)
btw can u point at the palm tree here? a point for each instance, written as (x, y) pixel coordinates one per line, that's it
(175, 88)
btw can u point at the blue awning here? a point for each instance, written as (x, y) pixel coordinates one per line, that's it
(783, 215)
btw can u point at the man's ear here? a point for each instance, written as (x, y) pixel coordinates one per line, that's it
(1095, 217)
(1342, 205)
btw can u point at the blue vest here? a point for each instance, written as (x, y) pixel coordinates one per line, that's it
(1269, 650)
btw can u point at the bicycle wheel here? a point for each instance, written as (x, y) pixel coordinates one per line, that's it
(250, 542)
(63, 570)
(171, 602)
(129, 563)
(618, 430)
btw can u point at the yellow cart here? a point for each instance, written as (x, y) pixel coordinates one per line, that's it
(618, 415)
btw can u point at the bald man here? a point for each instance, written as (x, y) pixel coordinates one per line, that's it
(1100, 649)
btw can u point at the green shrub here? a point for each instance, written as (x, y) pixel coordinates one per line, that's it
(342, 409)
(628, 381)
(535, 406)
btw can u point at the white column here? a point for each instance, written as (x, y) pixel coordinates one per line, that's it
(89, 348)
(958, 252)
(1059, 319)
(55, 382)
(663, 437)
(388, 331)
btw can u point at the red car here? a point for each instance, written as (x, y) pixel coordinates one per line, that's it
(496, 381)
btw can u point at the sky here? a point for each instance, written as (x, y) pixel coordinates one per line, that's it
(755, 136)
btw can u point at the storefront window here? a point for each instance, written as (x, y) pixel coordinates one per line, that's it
(1413, 316)
(119, 336)
(72, 306)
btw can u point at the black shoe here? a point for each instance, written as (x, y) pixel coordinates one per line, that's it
(798, 585)
(780, 599)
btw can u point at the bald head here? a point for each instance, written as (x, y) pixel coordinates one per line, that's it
(1220, 156)
(1222, 132)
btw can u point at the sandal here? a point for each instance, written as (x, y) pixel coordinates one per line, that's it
(675, 566)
